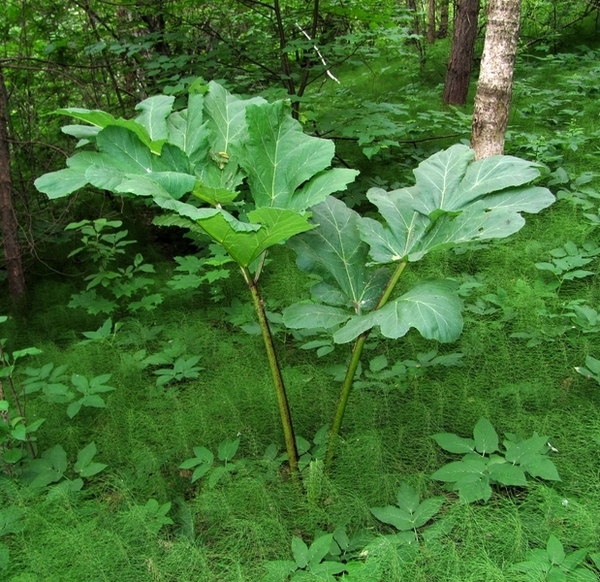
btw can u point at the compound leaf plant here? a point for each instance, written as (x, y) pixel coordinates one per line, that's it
(196, 163)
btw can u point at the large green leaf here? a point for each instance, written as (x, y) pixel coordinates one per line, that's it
(245, 245)
(402, 235)
(61, 183)
(227, 126)
(153, 116)
(454, 201)
(100, 169)
(227, 116)
(432, 307)
(174, 159)
(126, 151)
(101, 119)
(335, 252)
(279, 157)
(449, 181)
(319, 187)
(83, 132)
(172, 184)
(311, 315)
(188, 130)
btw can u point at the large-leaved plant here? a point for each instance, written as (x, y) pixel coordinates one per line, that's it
(360, 260)
(194, 164)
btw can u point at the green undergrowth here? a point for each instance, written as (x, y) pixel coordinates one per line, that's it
(228, 532)
(519, 351)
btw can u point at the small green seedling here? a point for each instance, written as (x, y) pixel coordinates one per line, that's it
(484, 464)
(125, 286)
(50, 380)
(554, 565)
(51, 467)
(203, 462)
(566, 263)
(183, 369)
(583, 317)
(91, 390)
(309, 563)
(156, 515)
(410, 513)
(177, 365)
(193, 272)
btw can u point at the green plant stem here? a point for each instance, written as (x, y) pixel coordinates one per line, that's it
(282, 400)
(357, 350)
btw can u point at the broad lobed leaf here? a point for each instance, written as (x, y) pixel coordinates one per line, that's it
(334, 251)
(167, 155)
(274, 226)
(454, 201)
(432, 307)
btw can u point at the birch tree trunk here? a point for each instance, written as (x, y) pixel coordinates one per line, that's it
(494, 88)
(461, 54)
(8, 219)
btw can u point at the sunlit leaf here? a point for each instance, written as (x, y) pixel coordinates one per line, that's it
(454, 201)
(188, 129)
(60, 183)
(101, 119)
(226, 123)
(279, 157)
(127, 151)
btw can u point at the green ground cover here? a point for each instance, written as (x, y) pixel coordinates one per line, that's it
(526, 330)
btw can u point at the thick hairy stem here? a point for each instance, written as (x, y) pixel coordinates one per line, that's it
(357, 350)
(282, 400)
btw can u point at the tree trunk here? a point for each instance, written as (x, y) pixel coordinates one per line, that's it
(10, 231)
(412, 5)
(494, 88)
(431, 22)
(461, 55)
(443, 28)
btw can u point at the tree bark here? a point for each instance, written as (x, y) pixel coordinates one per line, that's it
(9, 226)
(412, 5)
(431, 21)
(494, 88)
(461, 55)
(443, 28)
